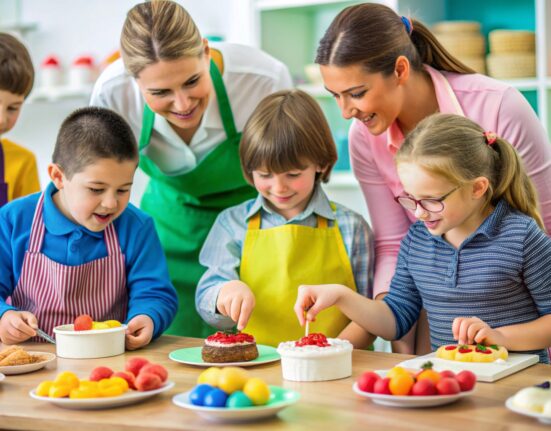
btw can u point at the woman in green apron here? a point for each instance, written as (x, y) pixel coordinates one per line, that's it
(187, 102)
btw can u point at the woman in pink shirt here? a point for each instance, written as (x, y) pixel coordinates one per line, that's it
(389, 72)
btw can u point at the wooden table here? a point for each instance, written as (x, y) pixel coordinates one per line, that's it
(323, 405)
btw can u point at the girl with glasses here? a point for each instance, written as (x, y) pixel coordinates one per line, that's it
(477, 259)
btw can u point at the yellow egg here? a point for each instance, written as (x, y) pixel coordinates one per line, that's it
(113, 323)
(88, 385)
(257, 390)
(59, 391)
(43, 389)
(67, 378)
(100, 325)
(111, 391)
(210, 376)
(232, 379)
(119, 381)
(84, 393)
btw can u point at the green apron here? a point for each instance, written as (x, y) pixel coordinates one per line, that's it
(184, 208)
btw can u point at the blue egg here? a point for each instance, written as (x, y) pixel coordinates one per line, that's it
(216, 398)
(239, 400)
(198, 393)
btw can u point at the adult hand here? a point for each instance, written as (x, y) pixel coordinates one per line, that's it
(237, 301)
(316, 298)
(472, 330)
(139, 331)
(17, 326)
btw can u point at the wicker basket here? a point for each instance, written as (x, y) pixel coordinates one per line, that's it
(514, 65)
(456, 27)
(506, 41)
(462, 44)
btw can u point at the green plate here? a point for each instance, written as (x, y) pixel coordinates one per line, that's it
(279, 399)
(192, 356)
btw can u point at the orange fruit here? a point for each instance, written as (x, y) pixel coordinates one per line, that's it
(401, 384)
(431, 375)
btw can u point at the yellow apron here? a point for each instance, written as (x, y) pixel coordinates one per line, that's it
(276, 261)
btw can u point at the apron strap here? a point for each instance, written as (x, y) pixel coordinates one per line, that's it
(147, 127)
(37, 227)
(2, 171)
(254, 222)
(322, 222)
(111, 240)
(223, 101)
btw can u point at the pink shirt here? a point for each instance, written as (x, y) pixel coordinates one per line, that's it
(492, 104)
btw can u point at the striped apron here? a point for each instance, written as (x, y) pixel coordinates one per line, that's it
(56, 294)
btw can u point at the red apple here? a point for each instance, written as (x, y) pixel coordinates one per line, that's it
(466, 380)
(128, 376)
(381, 386)
(448, 386)
(367, 380)
(447, 373)
(135, 364)
(423, 387)
(155, 369)
(148, 382)
(99, 373)
(83, 323)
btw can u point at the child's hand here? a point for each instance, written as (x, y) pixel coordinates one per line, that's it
(17, 326)
(139, 332)
(316, 298)
(472, 330)
(236, 300)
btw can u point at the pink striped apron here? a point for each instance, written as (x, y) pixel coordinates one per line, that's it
(57, 293)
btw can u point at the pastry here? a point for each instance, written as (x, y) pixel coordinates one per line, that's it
(316, 358)
(15, 355)
(223, 347)
(472, 353)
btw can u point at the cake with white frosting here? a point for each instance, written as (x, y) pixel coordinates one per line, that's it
(316, 358)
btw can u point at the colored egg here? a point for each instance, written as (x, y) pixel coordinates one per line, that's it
(198, 393)
(238, 400)
(257, 390)
(215, 398)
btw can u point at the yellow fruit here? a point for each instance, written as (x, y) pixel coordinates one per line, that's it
(393, 372)
(111, 391)
(257, 391)
(119, 381)
(88, 385)
(232, 379)
(59, 391)
(67, 378)
(84, 393)
(401, 384)
(43, 389)
(113, 323)
(100, 325)
(104, 383)
(210, 376)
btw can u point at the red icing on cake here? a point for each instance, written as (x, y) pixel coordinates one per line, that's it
(223, 338)
(451, 347)
(314, 339)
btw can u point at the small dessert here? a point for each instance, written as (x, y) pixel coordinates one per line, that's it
(16, 355)
(316, 358)
(472, 353)
(534, 398)
(223, 347)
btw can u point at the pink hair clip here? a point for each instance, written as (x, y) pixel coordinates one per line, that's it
(490, 137)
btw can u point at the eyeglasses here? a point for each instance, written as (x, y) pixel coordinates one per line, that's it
(430, 205)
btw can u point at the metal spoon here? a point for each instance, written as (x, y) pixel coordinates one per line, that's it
(42, 334)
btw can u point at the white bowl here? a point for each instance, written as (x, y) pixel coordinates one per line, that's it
(95, 343)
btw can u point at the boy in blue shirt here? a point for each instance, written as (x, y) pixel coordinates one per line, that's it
(79, 247)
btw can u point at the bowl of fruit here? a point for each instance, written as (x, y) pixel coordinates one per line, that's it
(231, 394)
(88, 339)
(401, 387)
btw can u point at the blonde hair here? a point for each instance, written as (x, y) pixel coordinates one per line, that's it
(155, 31)
(455, 148)
(286, 130)
(374, 36)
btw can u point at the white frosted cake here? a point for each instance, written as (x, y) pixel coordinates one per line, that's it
(316, 358)
(532, 399)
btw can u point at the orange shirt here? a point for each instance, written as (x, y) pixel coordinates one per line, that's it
(20, 170)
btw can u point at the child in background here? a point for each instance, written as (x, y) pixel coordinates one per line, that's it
(259, 252)
(18, 172)
(79, 247)
(478, 249)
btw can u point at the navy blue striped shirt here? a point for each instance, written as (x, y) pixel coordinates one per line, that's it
(500, 274)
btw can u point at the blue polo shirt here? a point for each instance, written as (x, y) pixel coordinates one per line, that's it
(150, 290)
(500, 274)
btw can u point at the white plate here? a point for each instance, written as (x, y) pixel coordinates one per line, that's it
(539, 416)
(192, 356)
(2, 377)
(485, 371)
(129, 397)
(9, 370)
(279, 399)
(411, 401)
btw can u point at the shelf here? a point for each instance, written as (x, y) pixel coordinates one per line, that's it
(522, 83)
(61, 92)
(18, 28)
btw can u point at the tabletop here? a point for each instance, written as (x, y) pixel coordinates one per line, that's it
(323, 405)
